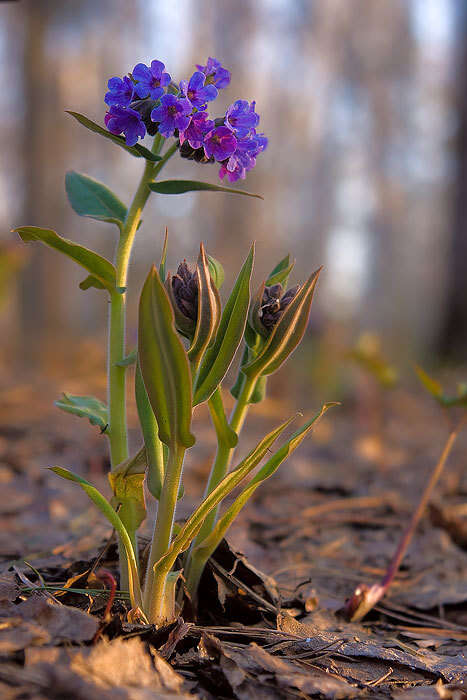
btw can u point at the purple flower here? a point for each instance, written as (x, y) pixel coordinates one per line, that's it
(244, 157)
(215, 73)
(241, 117)
(125, 120)
(120, 91)
(220, 143)
(151, 81)
(173, 113)
(261, 141)
(196, 91)
(197, 129)
(234, 175)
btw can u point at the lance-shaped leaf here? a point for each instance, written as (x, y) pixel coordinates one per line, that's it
(164, 364)
(205, 548)
(138, 150)
(431, 385)
(280, 274)
(225, 434)
(107, 510)
(182, 186)
(126, 481)
(85, 407)
(91, 282)
(169, 604)
(136, 464)
(89, 197)
(128, 498)
(149, 428)
(130, 359)
(220, 354)
(163, 262)
(209, 311)
(254, 319)
(192, 526)
(95, 264)
(259, 392)
(217, 271)
(287, 333)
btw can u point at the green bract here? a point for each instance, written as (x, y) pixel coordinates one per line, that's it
(164, 364)
(229, 334)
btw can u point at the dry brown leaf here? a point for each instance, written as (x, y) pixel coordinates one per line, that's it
(127, 665)
(359, 641)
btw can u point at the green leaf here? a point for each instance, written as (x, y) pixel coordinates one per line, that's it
(91, 282)
(280, 274)
(107, 510)
(85, 407)
(259, 392)
(205, 548)
(367, 353)
(163, 262)
(217, 271)
(95, 264)
(224, 432)
(138, 150)
(130, 359)
(192, 526)
(209, 311)
(182, 186)
(431, 385)
(220, 354)
(128, 490)
(238, 385)
(164, 364)
(91, 198)
(136, 464)
(287, 334)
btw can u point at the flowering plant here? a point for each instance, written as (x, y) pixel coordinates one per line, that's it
(187, 339)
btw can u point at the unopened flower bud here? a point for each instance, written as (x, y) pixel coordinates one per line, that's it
(196, 154)
(144, 109)
(274, 303)
(185, 291)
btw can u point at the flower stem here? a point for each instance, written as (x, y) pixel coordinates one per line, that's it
(224, 453)
(155, 584)
(116, 385)
(195, 566)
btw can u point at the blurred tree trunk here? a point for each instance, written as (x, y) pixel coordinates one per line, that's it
(453, 338)
(40, 288)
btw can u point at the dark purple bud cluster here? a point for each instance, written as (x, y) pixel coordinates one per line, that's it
(185, 291)
(148, 101)
(274, 303)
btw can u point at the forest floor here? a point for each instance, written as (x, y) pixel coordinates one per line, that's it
(270, 621)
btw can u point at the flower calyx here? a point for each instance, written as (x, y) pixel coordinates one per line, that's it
(196, 304)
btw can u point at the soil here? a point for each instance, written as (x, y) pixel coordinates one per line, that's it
(270, 622)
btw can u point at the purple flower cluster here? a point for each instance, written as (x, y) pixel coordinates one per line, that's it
(139, 103)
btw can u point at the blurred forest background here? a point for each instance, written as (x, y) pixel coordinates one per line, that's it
(365, 107)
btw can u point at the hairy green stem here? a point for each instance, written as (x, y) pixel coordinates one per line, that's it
(155, 584)
(220, 467)
(116, 385)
